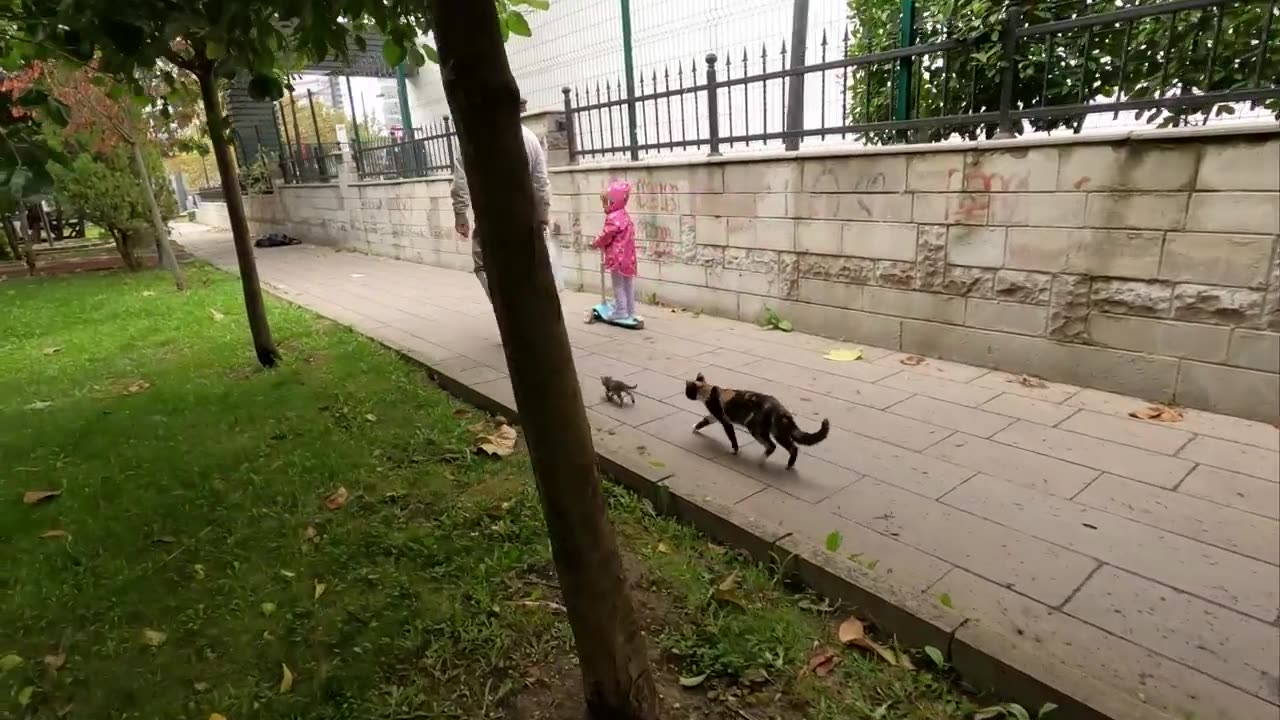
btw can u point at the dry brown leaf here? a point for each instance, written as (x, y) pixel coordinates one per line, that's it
(286, 678)
(33, 497)
(53, 350)
(310, 534)
(54, 534)
(1158, 413)
(337, 499)
(730, 583)
(823, 662)
(154, 638)
(664, 548)
(461, 413)
(500, 420)
(55, 661)
(1028, 381)
(851, 631)
(217, 316)
(500, 444)
(887, 654)
(136, 387)
(320, 588)
(912, 360)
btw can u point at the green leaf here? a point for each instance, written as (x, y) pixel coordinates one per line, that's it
(834, 539)
(936, 656)
(694, 681)
(535, 4)
(214, 49)
(24, 695)
(1045, 709)
(785, 326)
(10, 662)
(431, 54)
(266, 87)
(989, 712)
(18, 180)
(268, 609)
(945, 599)
(416, 58)
(1017, 711)
(393, 52)
(517, 24)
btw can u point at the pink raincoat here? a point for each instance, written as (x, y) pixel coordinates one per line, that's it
(618, 240)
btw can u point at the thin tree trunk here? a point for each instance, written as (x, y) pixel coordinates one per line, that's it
(485, 102)
(254, 307)
(28, 243)
(124, 247)
(163, 245)
(11, 237)
(44, 220)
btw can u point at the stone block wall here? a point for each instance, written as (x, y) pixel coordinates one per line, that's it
(1148, 267)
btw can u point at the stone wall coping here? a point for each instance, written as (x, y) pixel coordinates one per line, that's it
(1239, 130)
(397, 181)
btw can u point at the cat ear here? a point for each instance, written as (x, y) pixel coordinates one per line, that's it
(700, 378)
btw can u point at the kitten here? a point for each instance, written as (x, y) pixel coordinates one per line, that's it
(614, 390)
(762, 415)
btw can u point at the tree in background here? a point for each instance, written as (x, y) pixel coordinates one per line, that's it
(327, 118)
(104, 188)
(1203, 50)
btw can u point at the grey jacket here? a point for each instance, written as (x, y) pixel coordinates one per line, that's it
(537, 171)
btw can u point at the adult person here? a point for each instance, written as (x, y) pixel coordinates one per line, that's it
(462, 198)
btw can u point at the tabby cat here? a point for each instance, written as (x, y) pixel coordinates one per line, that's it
(762, 415)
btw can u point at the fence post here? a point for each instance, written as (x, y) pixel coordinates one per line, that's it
(1009, 67)
(795, 91)
(570, 135)
(297, 137)
(355, 130)
(448, 141)
(628, 63)
(906, 38)
(315, 125)
(713, 108)
(280, 148)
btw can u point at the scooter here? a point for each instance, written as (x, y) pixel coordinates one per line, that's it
(604, 311)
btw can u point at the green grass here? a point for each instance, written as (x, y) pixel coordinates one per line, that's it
(189, 506)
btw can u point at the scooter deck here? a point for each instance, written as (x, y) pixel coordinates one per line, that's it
(604, 313)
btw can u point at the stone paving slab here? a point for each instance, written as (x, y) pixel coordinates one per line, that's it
(1143, 556)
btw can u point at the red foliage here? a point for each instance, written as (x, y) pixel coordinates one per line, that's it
(93, 116)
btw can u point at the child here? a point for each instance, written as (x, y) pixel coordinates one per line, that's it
(618, 243)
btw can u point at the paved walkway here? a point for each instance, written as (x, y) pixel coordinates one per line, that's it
(1141, 553)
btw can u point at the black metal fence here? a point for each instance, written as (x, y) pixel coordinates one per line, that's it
(955, 70)
(430, 151)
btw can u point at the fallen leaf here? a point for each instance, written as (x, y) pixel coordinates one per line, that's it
(217, 716)
(834, 540)
(310, 534)
(755, 676)
(844, 354)
(198, 571)
(55, 662)
(461, 413)
(136, 387)
(337, 499)
(53, 350)
(24, 695)
(217, 316)
(664, 548)
(1028, 381)
(164, 540)
(657, 464)
(286, 678)
(823, 662)
(945, 599)
(289, 574)
(478, 426)
(500, 444)
(268, 609)
(148, 293)
(851, 631)
(371, 417)
(32, 497)
(320, 588)
(500, 420)
(54, 534)
(694, 681)
(912, 360)
(200, 687)
(730, 583)
(357, 275)
(887, 654)
(154, 638)
(39, 405)
(1159, 413)
(936, 656)
(716, 549)
(10, 662)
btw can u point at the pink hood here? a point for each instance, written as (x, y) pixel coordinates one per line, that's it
(619, 193)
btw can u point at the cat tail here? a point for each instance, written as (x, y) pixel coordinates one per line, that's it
(813, 438)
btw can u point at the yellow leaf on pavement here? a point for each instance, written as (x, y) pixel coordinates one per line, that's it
(844, 354)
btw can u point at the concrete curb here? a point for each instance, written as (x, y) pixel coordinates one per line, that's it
(1009, 668)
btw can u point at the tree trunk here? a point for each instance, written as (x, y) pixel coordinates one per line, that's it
(28, 243)
(11, 237)
(124, 247)
(163, 245)
(253, 304)
(485, 103)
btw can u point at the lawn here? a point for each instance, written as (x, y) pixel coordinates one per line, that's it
(195, 568)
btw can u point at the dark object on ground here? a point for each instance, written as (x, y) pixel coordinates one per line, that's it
(275, 240)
